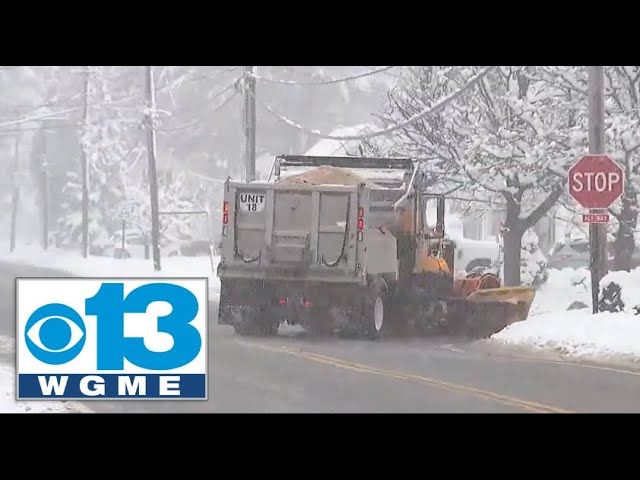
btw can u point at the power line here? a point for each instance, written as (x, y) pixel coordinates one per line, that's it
(48, 115)
(196, 122)
(38, 117)
(204, 177)
(62, 103)
(325, 82)
(419, 116)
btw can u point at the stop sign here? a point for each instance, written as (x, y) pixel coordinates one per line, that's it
(596, 181)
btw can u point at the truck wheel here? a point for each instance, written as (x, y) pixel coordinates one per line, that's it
(376, 312)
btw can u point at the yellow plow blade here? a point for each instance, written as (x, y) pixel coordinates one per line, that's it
(512, 295)
(488, 311)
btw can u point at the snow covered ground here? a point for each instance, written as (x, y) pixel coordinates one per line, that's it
(578, 333)
(8, 403)
(73, 263)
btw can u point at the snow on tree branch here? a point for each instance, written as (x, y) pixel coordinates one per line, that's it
(514, 135)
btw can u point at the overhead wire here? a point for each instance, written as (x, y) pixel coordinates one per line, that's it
(38, 117)
(429, 111)
(196, 122)
(324, 82)
(71, 109)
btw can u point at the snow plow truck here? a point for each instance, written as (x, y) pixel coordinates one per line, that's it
(344, 243)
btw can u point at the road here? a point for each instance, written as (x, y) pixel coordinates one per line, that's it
(296, 373)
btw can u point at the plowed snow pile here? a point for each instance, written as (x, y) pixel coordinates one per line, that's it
(8, 403)
(578, 333)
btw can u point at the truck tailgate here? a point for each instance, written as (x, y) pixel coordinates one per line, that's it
(292, 227)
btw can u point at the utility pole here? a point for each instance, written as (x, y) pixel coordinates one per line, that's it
(84, 166)
(15, 198)
(597, 231)
(44, 191)
(250, 124)
(153, 177)
(44, 184)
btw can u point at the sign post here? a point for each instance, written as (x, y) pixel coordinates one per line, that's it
(596, 182)
(124, 214)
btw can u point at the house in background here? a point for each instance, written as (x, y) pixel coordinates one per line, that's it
(485, 224)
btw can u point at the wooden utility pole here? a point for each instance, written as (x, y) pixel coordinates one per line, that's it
(153, 176)
(84, 166)
(597, 231)
(15, 199)
(250, 124)
(44, 190)
(44, 171)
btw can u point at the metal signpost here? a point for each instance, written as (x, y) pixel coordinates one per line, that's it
(596, 182)
(124, 214)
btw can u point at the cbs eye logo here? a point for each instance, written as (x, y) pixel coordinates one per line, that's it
(55, 334)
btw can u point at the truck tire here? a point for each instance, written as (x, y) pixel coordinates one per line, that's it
(376, 310)
(257, 322)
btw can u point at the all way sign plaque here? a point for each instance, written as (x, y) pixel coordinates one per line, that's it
(595, 217)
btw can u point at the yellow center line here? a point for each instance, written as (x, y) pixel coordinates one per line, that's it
(452, 387)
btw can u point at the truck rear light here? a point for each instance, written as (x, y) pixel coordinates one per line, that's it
(307, 303)
(224, 230)
(225, 207)
(361, 224)
(282, 301)
(360, 236)
(225, 218)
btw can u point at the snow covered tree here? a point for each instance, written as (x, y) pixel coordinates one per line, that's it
(510, 138)
(177, 192)
(622, 118)
(622, 122)
(32, 95)
(533, 264)
(112, 142)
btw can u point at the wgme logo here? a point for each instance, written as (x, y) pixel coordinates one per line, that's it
(85, 338)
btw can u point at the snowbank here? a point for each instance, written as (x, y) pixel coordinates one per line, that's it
(577, 333)
(8, 403)
(563, 287)
(629, 283)
(73, 263)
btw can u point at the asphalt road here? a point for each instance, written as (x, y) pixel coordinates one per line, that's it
(295, 373)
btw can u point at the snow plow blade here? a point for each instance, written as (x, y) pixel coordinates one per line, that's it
(485, 312)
